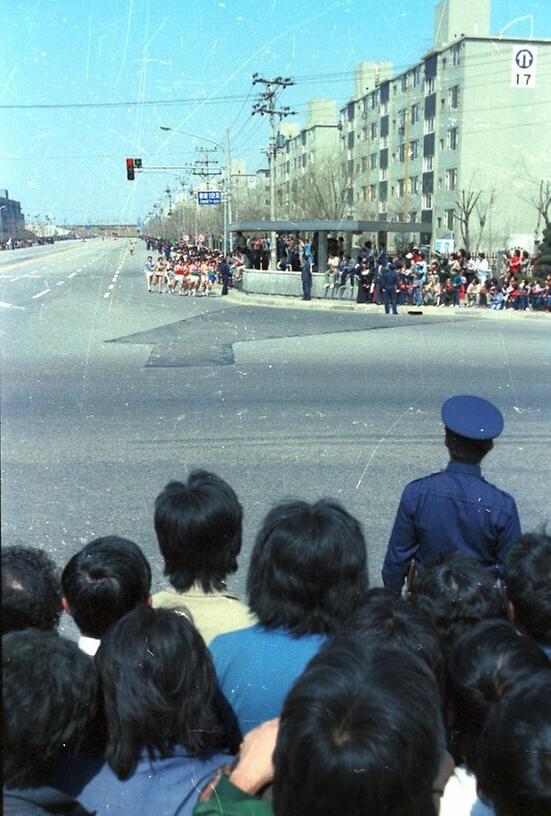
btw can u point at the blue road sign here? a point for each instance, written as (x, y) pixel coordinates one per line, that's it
(209, 197)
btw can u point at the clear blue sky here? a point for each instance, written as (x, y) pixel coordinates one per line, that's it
(195, 60)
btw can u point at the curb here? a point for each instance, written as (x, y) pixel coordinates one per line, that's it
(319, 304)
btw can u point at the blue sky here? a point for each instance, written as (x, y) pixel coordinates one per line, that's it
(194, 59)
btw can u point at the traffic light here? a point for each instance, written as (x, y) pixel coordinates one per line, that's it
(137, 163)
(130, 169)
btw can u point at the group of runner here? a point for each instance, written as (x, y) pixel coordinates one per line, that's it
(185, 271)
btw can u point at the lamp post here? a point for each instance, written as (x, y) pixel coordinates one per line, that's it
(227, 175)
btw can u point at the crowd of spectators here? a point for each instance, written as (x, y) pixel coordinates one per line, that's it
(318, 695)
(506, 281)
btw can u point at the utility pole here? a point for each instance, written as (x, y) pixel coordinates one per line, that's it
(228, 191)
(201, 168)
(407, 148)
(266, 105)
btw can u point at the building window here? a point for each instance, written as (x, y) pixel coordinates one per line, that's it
(373, 130)
(373, 161)
(383, 174)
(453, 98)
(427, 201)
(449, 219)
(451, 179)
(428, 163)
(372, 192)
(441, 144)
(414, 185)
(403, 83)
(456, 55)
(304, 160)
(384, 108)
(414, 149)
(416, 76)
(384, 141)
(402, 187)
(364, 164)
(414, 113)
(413, 217)
(303, 137)
(350, 112)
(453, 137)
(430, 85)
(429, 124)
(402, 152)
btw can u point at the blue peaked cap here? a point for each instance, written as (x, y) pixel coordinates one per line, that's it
(472, 417)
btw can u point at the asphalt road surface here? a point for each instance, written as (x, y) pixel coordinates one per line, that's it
(109, 391)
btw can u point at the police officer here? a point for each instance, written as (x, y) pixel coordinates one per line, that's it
(225, 274)
(455, 509)
(389, 285)
(306, 279)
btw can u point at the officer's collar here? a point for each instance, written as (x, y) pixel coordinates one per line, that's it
(463, 467)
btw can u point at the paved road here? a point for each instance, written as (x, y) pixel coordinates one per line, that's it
(108, 392)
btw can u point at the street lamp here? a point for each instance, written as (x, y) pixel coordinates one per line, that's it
(227, 175)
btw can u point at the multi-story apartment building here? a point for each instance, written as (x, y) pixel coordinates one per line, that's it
(301, 153)
(465, 129)
(12, 220)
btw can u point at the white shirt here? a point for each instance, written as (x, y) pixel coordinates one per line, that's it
(88, 645)
(460, 797)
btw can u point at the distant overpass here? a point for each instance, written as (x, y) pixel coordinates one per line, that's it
(121, 230)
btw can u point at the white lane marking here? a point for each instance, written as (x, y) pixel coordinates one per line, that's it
(111, 286)
(106, 295)
(78, 270)
(44, 292)
(4, 305)
(60, 283)
(72, 275)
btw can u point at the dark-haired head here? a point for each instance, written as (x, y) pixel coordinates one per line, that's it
(31, 590)
(308, 569)
(468, 451)
(384, 619)
(49, 693)
(457, 592)
(198, 527)
(159, 688)
(514, 765)
(528, 578)
(487, 662)
(360, 732)
(104, 581)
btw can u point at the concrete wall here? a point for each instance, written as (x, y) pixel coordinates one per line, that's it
(289, 284)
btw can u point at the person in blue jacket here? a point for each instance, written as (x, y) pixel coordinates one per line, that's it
(455, 509)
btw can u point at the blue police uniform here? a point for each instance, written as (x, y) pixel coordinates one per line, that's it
(456, 509)
(390, 281)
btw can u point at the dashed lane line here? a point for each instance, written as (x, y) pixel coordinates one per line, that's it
(72, 275)
(40, 294)
(60, 283)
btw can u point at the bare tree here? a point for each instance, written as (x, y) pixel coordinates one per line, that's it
(483, 207)
(465, 205)
(541, 201)
(322, 192)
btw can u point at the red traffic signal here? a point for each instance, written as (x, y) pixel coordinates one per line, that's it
(130, 169)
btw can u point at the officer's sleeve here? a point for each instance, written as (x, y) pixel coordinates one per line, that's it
(510, 533)
(402, 544)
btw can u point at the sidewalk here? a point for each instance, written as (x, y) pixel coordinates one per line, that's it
(347, 305)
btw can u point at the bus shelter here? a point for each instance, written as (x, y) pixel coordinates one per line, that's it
(322, 229)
